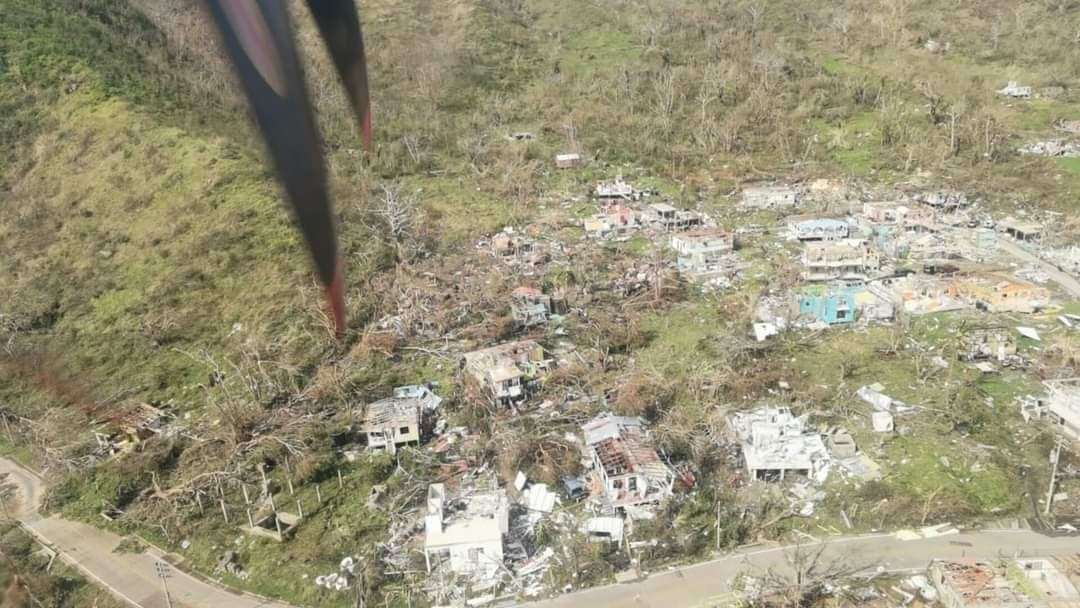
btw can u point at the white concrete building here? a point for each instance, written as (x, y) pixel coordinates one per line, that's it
(468, 541)
(1063, 405)
(776, 444)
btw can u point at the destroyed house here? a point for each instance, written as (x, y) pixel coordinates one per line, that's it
(985, 344)
(529, 307)
(667, 217)
(625, 462)
(847, 259)
(944, 200)
(969, 583)
(1014, 90)
(770, 197)
(615, 189)
(919, 295)
(507, 243)
(841, 304)
(776, 444)
(912, 218)
(466, 535)
(613, 219)
(817, 229)
(702, 251)
(1002, 293)
(1063, 405)
(390, 423)
(505, 372)
(129, 427)
(567, 161)
(1028, 232)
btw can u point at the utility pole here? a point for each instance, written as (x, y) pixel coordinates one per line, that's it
(1053, 475)
(718, 525)
(162, 570)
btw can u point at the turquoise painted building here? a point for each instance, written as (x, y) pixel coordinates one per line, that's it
(833, 305)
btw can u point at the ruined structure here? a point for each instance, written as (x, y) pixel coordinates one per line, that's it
(568, 161)
(842, 304)
(1002, 293)
(398, 420)
(1024, 231)
(986, 344)
(613, 220)
(669, 218)
(817, 229)
(529, 306)
(1062, 405)
(505, 372)
(969, 583)
(468, 540)
(848, 259)
(1014, 90)
(761, 196)
(625, 464)
(776, 444)
(615, 189)
(701, 252)
(920, 295)
(129, 427)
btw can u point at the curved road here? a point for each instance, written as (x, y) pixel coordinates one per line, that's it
(708, 583)
(132, 578)
(129, 576)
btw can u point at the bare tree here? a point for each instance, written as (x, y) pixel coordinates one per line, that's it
(804, 576)
(395, 213)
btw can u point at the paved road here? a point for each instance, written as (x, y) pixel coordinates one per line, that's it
(129, 576)
(1066, 280)
(708, 583)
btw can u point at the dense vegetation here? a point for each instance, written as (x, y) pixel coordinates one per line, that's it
(145, 256)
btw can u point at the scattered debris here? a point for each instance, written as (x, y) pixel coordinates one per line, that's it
(1055, 147)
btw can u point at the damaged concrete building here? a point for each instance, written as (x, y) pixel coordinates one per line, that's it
(842, 304)
(817, 229)
(920, 295)
(970, 583)
(397, 421)
(625, 464)
(615, 189)
(505, 372)
(847, 259)
(1014, 90)
(614, 219)
(671, 219)
(776, 444)
(1062, 405)
(568, 161)
(1021, 230)
(764, 196)
(986, 344)
(529, 307)
(995, 292)
(466, 535)
(701, 252)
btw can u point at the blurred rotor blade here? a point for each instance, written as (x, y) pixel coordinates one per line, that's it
(258, 38)
(339, 24)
